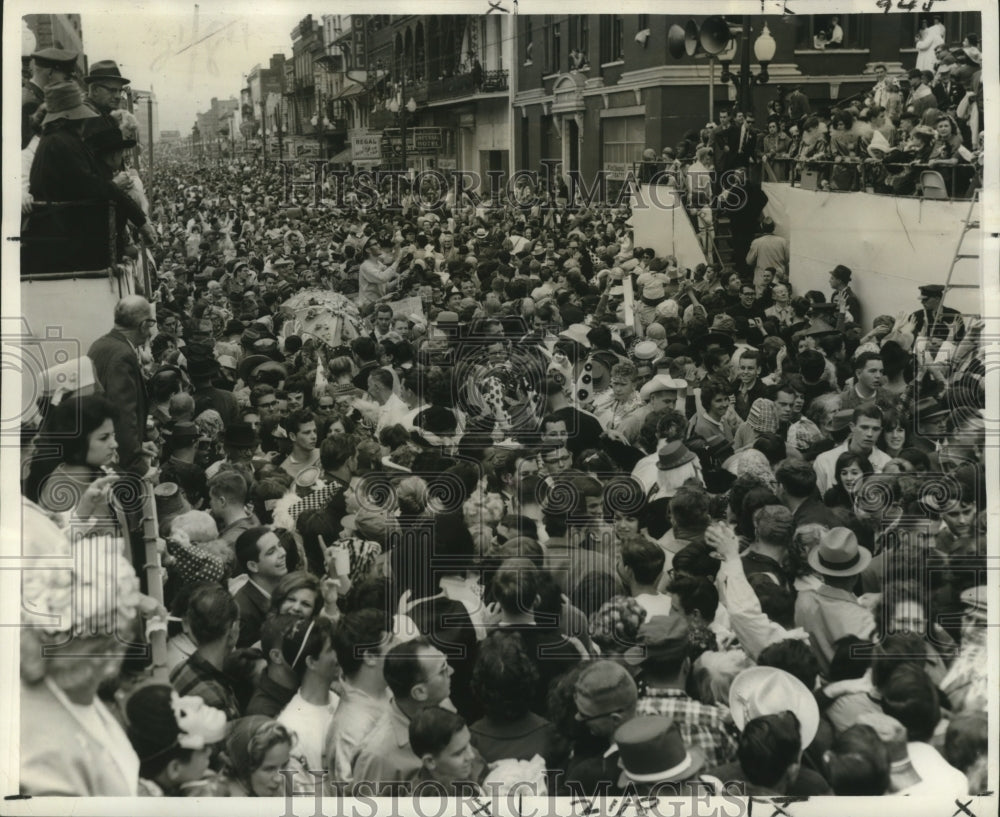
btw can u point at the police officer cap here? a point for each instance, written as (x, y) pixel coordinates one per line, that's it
(54, 55)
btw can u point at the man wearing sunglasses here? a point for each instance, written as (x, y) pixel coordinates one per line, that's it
(605, 696)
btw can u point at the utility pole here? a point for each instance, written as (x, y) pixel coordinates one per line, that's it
(402, 116)
(149, 123)
(746, 79)
(281, 151)
(263, 132)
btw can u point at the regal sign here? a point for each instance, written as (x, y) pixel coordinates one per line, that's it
(366, 146)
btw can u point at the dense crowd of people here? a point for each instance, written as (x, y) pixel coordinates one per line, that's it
(442, 508)
(929, 119)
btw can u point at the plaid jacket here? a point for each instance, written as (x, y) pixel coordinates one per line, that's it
(196, 676)
(708, 728)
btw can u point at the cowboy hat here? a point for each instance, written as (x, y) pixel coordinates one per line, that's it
(662, 382)
(761, 691)
(839, 554)
(577, 332)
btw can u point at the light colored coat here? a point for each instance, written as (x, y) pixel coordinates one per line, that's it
(62, 757)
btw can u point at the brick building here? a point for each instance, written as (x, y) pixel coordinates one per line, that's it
(594, 90)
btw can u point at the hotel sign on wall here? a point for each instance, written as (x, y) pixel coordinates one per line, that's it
(418, 140)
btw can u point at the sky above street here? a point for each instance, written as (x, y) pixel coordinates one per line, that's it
(188, 56)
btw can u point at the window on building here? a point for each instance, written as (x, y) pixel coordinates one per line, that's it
(525, 140)
(612, 38)
(622, 142)
(447, 142)
(956, 26)
(624, 138)
(579, 43)
(822, 32)
(547, 45)
(527, 39)
(556, 46)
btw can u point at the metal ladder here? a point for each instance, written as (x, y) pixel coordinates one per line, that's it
(968, 225)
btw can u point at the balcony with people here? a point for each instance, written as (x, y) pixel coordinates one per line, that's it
(920, 134)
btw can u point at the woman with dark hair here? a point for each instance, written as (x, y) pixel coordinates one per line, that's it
(505, 681)
(297, 594)
(895, 435)
(844, 150)
(75, 446)
(849, 472)
(949, 151)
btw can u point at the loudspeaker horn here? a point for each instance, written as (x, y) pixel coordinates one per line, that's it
(675, 41)
(691, 37)
(715, 35)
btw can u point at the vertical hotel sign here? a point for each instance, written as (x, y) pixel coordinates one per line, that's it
(357, 59)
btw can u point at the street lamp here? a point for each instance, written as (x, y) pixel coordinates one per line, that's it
(319, 120)
(401, 112)
(763, 48)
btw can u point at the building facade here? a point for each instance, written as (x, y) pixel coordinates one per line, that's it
(445, 80)
(592, 91)
(58, 31)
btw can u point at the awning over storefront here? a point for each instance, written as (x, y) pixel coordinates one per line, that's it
(353, 89)
(342, 158)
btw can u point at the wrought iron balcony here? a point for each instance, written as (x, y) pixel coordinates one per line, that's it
(494, 81)
(465, 85)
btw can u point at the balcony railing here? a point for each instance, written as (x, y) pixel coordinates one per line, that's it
(380, 120)
(959, 181)
(494, 81)
(465, 85)
(460, 85)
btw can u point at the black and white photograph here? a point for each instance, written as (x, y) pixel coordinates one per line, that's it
(517, 409)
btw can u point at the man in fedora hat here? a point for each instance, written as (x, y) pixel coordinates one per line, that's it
(674, 465)
(655, 759)
(932, 319)
(105, 85)
(48, 66)
(833, 611)
(203, 368)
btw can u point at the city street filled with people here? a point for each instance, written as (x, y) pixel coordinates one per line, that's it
(425, 493)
